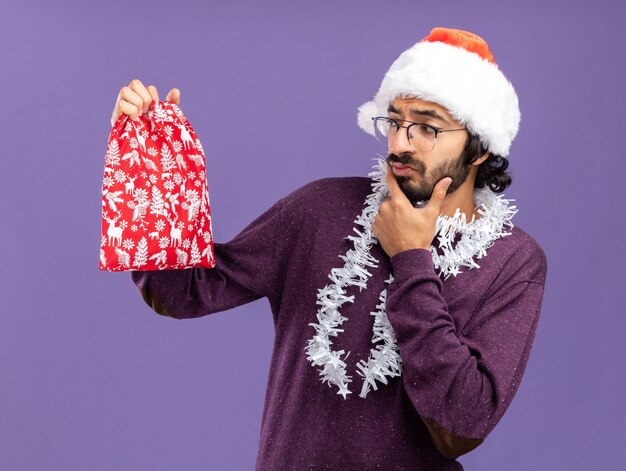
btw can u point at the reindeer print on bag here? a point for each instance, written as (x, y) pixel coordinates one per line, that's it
(156, 211)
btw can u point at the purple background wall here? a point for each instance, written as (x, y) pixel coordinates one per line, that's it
(90, 378)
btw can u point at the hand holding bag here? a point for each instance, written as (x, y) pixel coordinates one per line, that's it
(156, 211)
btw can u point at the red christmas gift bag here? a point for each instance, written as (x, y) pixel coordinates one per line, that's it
(156, 211)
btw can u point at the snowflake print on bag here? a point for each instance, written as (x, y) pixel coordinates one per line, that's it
(156, 212)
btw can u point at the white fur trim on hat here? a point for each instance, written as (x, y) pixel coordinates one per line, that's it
(471, 88)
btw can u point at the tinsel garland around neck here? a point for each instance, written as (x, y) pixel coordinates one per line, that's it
(476, 236)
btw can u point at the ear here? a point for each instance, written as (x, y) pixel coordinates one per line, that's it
(481, 159)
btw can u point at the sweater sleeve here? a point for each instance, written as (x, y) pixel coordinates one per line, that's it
(461, 382)
(245, 271)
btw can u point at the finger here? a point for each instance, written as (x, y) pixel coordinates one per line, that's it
(130, 110)
(154, 94)
(394, 187)
(129, 97)
(174, 96)
(439, 194)
(143, 93)
(124, 108)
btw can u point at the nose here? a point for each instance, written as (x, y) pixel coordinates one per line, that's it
(400, 144)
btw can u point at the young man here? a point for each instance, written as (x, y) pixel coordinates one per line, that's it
(438, 297)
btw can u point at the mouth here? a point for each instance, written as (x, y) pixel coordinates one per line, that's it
(399, 165)
(402, 169)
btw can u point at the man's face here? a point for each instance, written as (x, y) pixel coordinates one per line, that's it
(427, 168)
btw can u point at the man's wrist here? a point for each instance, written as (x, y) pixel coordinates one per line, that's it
(411, 262)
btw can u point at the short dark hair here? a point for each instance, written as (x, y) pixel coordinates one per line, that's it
(492, 172)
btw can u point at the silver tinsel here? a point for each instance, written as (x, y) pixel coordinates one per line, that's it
(384, 360)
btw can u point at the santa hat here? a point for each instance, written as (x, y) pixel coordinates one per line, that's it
(456, 70)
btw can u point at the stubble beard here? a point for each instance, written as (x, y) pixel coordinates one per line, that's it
(423, 189)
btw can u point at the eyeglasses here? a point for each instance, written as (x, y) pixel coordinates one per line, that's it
(422, 137)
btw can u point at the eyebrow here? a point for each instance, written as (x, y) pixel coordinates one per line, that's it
(431, 113)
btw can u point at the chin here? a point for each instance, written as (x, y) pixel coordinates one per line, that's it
(417, 192)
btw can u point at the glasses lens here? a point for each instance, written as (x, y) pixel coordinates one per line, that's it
(381, 130)
(422, 137)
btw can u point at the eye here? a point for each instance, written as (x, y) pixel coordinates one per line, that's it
(393, 125)
(427, 130)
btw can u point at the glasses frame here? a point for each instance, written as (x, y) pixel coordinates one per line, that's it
(437, 131)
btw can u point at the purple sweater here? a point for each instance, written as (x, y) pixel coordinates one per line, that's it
(464, 342)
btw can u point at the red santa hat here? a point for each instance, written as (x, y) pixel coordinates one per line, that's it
(456, 70)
